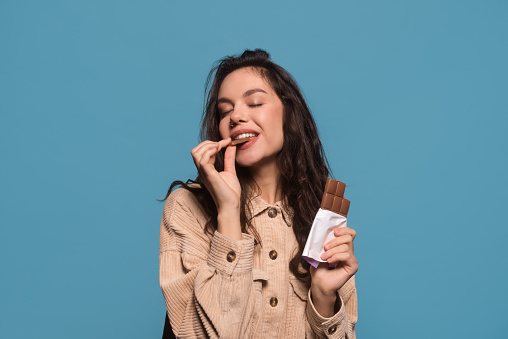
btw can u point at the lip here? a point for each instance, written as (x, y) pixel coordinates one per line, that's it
(248, 143)
(240, 131)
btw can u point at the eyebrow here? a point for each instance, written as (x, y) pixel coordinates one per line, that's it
(246, 94)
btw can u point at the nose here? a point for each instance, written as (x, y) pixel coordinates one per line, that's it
(238, 116)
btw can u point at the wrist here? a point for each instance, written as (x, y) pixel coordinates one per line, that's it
(322, 296)
(326, 304)
(228, 212)
(228, 224)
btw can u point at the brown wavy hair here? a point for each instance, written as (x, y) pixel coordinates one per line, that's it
(302, 163)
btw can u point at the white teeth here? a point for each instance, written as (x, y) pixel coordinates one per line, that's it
(245, 135)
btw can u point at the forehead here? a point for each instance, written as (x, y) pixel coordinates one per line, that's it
(242, 80)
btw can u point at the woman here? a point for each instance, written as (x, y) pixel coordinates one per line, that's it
(231, 240)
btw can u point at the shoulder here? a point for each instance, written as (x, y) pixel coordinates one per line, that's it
(181, 196)
(183, 204)
(183, 224)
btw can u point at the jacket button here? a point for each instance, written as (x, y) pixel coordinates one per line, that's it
(231, 256)
(272, 212)
(273, 254)
(332, 329)
(273, 301)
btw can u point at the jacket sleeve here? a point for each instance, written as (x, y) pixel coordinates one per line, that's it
(206, 280)
(341, 324)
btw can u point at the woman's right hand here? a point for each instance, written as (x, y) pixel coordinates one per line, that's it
(224, 186)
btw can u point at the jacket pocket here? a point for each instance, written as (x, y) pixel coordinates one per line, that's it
(299, 288)
(296, 320)
(259, 279)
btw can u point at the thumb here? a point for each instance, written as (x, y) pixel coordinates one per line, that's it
(229, 160)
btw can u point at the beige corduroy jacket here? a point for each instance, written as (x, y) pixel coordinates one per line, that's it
(217, 287)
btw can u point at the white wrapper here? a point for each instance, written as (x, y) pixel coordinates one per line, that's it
(320, 233)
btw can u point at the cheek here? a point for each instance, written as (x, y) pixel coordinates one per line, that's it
(223, 129)
(278, 124)
(281, 138)
(274, 130)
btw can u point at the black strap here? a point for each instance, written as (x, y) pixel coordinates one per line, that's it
(168, 331)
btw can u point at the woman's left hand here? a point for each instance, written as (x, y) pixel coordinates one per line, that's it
(339, 251)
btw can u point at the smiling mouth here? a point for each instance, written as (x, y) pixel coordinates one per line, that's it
(242, 138)
(245, 135)
(239, 141)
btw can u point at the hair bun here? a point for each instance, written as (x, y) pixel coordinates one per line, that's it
(255, 54)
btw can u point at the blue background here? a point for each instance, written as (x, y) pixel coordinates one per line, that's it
(100, 107)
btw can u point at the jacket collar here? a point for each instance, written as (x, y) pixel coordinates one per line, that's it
(259, 206)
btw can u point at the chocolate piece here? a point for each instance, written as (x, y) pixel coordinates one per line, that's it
(333, 197)
(335, 187)
(337, 203)
(327, 202)
(239, 141)
(344, 208)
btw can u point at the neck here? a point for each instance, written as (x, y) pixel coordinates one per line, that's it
(267, 178)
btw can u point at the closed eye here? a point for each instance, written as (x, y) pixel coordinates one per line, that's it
(256, 105)
(223, 114)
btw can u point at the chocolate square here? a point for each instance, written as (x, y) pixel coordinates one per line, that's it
(333, 197)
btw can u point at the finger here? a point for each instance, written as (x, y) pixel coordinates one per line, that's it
(224, 143)
(208, 157)
(201, 150)
(334, 250)
(202, 147)
(343, 239)
(343, 231)
(229, 160)
(345, 256)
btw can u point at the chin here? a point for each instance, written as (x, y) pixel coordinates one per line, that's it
(246, 162)
(253, 160)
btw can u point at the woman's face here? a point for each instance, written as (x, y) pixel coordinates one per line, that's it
(248, 104)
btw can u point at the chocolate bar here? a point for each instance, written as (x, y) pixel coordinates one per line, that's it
(333, 197)
(239, 141)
